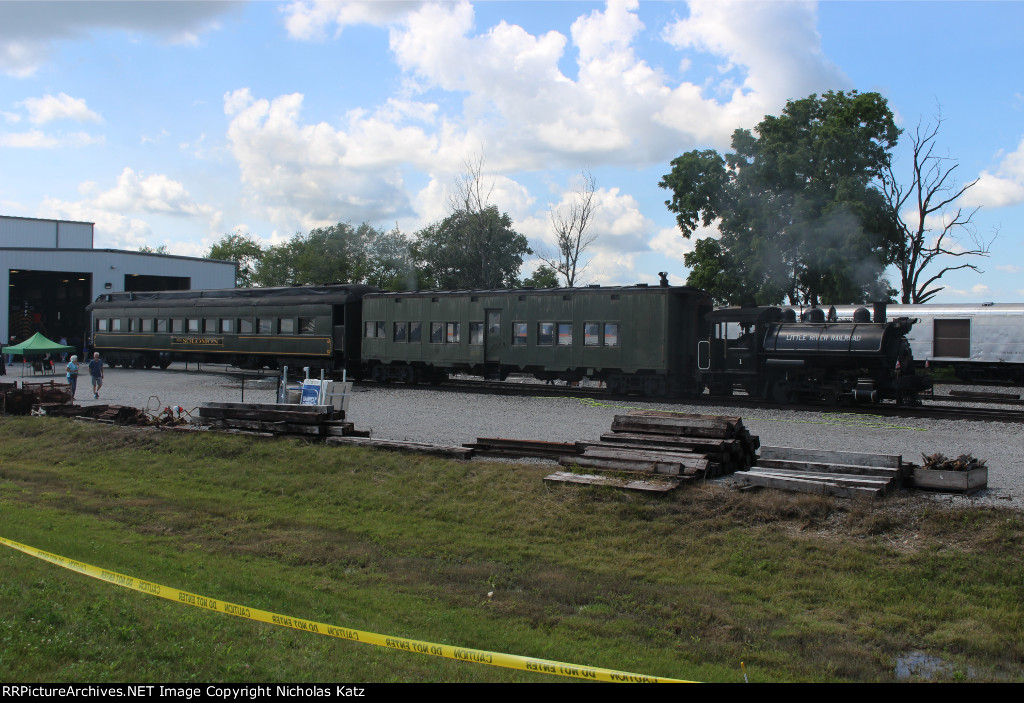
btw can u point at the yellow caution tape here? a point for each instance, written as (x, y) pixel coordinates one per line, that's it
(478, 656)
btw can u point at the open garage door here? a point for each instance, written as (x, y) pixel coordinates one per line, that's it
(51, 302)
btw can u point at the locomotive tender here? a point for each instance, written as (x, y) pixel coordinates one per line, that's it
(651, 340)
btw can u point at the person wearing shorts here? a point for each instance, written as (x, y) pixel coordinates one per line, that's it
(96, 372)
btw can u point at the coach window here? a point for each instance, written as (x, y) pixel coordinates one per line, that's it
(401, 332)
(307, 325)
(437, 333)
(193, 324)
(369, 329)
(245, 325)
(476, 333)
(210, 325)
(177, 325)
(286, 325)
(115, 324)
(226, 326)
(591, 334)
(545, 334)
(102, 324)
(381, 330)
(611, 334)
(161, 324)
(147, 324)
(565, 334)
(518, 334)
(415, 334)
(453, 332)
(264, 325)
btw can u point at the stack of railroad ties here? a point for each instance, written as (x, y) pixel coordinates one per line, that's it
(646, 450)
(279, 420)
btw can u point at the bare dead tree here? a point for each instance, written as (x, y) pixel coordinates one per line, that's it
(573, 235)
(471, 192)
(929, 222)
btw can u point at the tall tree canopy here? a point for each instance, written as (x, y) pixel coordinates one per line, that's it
(796, 204)
(470, 249)
(245, 251)
(340, 253)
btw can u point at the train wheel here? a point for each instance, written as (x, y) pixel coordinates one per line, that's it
(378, 375)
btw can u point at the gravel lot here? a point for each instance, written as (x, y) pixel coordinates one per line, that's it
(453, 418)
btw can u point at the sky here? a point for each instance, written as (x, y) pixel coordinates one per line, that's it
(175, 123)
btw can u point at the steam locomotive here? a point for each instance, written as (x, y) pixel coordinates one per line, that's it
(651, 340)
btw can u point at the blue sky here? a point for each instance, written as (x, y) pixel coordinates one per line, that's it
(175, 123)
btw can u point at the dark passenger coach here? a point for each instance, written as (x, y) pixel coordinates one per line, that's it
(636, 339)
(317, 326)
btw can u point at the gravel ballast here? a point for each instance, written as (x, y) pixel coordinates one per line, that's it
(453, 418)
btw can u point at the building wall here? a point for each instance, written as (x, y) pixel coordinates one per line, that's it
(108, 266)
(30, 233)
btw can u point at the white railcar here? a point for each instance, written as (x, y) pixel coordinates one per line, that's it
(980, 341)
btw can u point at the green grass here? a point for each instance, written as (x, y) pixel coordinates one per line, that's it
(683, 586)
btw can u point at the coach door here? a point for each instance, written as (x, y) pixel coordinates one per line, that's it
(493, 341)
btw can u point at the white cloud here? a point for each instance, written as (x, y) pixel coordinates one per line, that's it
(304, 175)
(29, 29)
(119, 212)
(516, 104)
(1003, 188)
(311, 20)
(62, 107)
(36, 139)
(529, 115)
(1010, 269)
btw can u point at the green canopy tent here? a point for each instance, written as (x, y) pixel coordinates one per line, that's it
(37, 344)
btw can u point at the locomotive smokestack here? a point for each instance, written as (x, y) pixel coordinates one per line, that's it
(879, 312)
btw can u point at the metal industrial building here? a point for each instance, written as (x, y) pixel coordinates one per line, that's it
(49, 272)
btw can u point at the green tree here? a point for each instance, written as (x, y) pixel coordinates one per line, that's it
(796, 202)
(146, 249)
(246, 252)
(470, 250)
(543, 277)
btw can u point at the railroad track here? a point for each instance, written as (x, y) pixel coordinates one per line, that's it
(928, 410)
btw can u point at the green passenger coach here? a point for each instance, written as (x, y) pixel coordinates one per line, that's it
(317, 326)
(636, 339)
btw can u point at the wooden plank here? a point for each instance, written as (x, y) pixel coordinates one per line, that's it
(395, 445)
(304, 418)
(625, 424)
(839, 479)
(697, 443)
(289, 407)
(891, 461)
(803, 486)
(639, 466)
(821, 468)
(662, 486)
(688, 460)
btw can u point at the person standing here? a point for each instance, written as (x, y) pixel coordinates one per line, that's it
(72, 371)
(96, 372)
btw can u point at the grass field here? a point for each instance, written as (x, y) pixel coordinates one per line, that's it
(685, 586)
